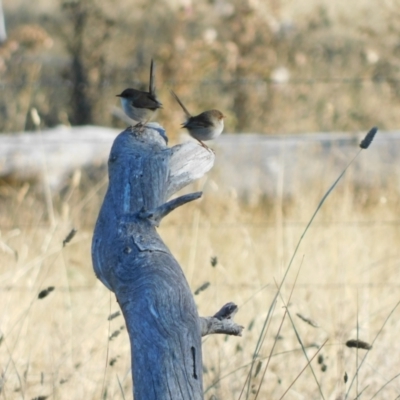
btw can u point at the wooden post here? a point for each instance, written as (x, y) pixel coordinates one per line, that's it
(130, 258)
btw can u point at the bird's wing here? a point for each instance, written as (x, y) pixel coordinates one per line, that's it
(201, 121)
(145, 100)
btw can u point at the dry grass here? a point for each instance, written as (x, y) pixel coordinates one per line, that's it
(59, 346)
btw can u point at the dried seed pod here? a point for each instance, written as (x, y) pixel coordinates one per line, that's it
(203, 287)
(359, 344)
(114, 315)
(369, 137)
(114, 335)
(69, 236)
(308, 321)
(251, 325)
(43, 293)
(112, 361)
(214, 261)
(258, 368)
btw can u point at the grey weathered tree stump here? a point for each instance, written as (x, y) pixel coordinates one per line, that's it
(130, 258)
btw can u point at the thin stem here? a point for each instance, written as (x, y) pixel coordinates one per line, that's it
(301, 372)
(279, 330)
(376, 337)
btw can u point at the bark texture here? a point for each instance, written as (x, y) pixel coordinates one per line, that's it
(130, 258)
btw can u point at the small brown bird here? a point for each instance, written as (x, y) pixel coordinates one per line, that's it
(206, 126)
(139, 105)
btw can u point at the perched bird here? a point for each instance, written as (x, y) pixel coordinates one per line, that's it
(139, 105)
(206, 126)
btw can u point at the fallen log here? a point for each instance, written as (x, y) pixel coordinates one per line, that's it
(56, 152)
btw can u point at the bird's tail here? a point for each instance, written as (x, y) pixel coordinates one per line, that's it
(188, 115)
(152, 84)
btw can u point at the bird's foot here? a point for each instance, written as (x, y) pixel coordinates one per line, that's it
(139, 127)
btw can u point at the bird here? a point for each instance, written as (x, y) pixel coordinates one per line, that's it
(206, 126)
(139, 105)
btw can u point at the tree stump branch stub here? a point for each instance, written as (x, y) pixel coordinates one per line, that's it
(222, 322)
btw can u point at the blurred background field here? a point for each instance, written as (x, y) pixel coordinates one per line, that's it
(273, 67)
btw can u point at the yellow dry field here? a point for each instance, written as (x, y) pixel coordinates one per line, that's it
(344, 280)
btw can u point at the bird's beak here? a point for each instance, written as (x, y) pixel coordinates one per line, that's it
(117, 95)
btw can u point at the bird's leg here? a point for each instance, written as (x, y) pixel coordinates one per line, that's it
(205, 146)
(133, 127)
(139, 127)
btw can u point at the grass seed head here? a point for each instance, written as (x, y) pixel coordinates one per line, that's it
(203, 287)
(214, 261)
(43, 293)
(114, 315)
(369, 137)
(70, 236)
(359, 344)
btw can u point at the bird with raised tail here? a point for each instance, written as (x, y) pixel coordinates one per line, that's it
(206, 126)
(139, 105)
